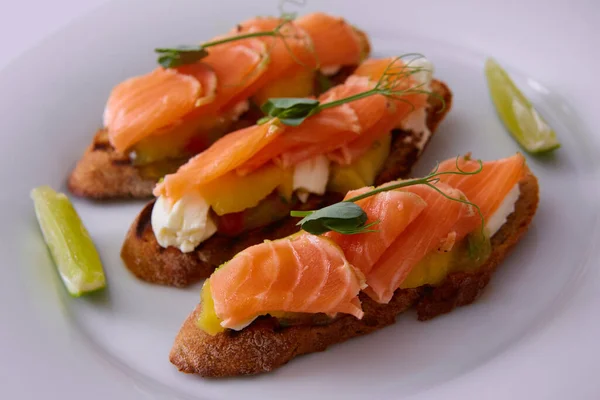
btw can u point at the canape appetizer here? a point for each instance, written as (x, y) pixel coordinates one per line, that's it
(155, 122)
(432, 243)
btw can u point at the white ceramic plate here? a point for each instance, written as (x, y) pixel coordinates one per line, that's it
(533, 334)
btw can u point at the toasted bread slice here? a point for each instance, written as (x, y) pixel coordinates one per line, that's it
(104, 173)
(265, 345)
(146, 259)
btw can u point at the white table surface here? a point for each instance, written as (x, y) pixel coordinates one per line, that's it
(23, 23)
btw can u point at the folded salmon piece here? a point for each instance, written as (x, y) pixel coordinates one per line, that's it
(299, 274)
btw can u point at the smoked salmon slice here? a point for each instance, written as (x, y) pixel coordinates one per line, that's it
(349, 152)
(142, 105)
(239, 67)
(302, 273)
(394, 210)
(439, 225)
(286, 51)
(368, 110)
(489, 187)
(334, 40)
(225, 155)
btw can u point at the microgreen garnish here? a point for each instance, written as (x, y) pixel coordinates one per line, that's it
(175, 57)
(171, 58)
(346, 217)
(290, 14)
(387, 85)
(290, 111)
(479, 246)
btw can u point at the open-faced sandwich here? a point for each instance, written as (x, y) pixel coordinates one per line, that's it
(432, 243)
(306, 154)
(155, 122)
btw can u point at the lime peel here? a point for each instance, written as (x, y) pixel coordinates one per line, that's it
(70, 244)
(517, 113)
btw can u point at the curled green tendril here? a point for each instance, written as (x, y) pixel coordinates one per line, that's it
(343, 218)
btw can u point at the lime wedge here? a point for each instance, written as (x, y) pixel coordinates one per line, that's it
(517, 113)
(69, 242)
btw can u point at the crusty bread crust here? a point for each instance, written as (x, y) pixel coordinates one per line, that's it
(265, 345)
(147, 260)
(103, 173)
